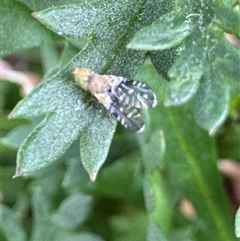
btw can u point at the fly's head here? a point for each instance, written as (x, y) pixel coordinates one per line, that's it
(82, 77)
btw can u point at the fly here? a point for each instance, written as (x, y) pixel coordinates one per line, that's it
(119, 95)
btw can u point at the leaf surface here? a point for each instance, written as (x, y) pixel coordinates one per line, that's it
(204, 50)
(11, 226)
(18, 30)
(108, 27)
(188, 166)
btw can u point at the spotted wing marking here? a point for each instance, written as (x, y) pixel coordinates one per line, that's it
(134, 93)
(127, 115)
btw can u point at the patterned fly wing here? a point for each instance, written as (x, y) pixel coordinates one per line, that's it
(127, 115)
(134, 93)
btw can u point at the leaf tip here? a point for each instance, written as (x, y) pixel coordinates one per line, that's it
(128, 46)
(13, 114)
(167, 103)
(93, 176)
(211, 132)
(161, 132)
(35, 14)
(17, 174)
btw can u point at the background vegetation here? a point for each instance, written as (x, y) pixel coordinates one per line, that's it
(163, 184)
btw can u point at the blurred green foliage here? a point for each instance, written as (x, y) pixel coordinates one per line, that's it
(143, 178)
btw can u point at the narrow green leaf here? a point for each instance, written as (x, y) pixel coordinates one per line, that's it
(94, 144)
(49, 56)
(230, 19)
(15, 137)
(83, 237)
(9, 187)
(7, 125)
(18, 29)
(211, 102)
(224, 56)
(125, 169)
(237, 223)
(180, 92)
(154, 233)
(186, 76)
(73, 211)
(129, 226)
(11, 226)
(152, 151)
(158, 203)
(155, 192)
(230, 2)
(44, 226)
(190, 161)
(74, 174)
(166, 32)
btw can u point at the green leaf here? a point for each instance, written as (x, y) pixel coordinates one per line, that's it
(237, 223)
(83, 237)
(18, 29)
(230, 19)
(72, 211)
(154, 233)
(15, 137)
(109, 26)
(158, 203)
(190, 163)
(204, 75)
(51, 174)
(9, 187)
(45, 227)
(91, 143)
(211, 102)
(166, 32)
(155, 189)
(42, 226)
(180, 92)
(74, 175)
(151, 157)
(129, 227)
(40, 5)
(185, 77)
(46, 143)
(11, 226)
(205, 48)
(125, 169)
(7, 125)
(163, 60)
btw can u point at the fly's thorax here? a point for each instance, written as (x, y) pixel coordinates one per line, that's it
(83, 77)
(98, 84)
